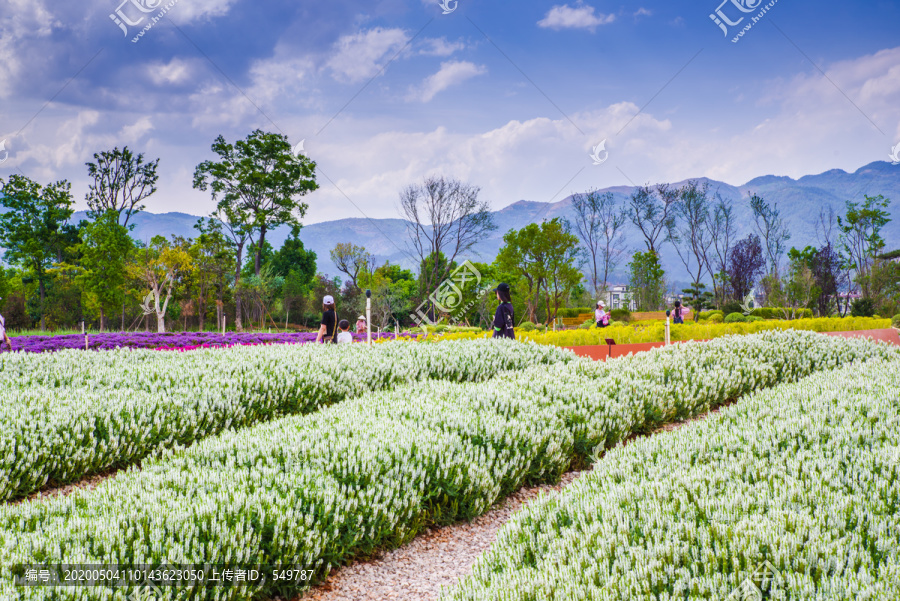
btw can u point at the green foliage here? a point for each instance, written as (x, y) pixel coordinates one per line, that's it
(259, 182)
(778, 313)
(736, 318)
(623, 315)
(716, 318)
(895, 321)
(546, 261)
(863, 307)
(647, 280)
(708, 314)
(751, 318)
(698, 298)
(861, 235)
(527, 326)
(32, 228)
(105, 250)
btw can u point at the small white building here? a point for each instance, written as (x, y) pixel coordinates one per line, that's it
(619, 297)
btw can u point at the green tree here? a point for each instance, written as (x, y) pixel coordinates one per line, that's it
(699, 299)
(393, 291)
(105, 249)
(297, 266)
(259, 179)
(647, 281)
(547, 262)
(861, 237)
(122, 181)
(32, 228)
(352, 260)
(213, 255)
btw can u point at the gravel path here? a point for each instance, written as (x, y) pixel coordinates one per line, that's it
(440, 556)
(437, 557)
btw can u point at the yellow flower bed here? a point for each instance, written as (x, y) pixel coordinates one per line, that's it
(648, 331)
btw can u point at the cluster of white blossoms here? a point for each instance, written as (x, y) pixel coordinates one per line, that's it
(67, 414)
(794, 493)
(319, 490)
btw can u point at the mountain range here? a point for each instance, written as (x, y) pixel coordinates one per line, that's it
(799, 201)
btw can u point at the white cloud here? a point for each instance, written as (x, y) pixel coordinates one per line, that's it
(580, 16)
(450, 74)
(21, 19)
(188, 11)
(131, 134)
(361, 55)
(175, 72)
(441, 47)
(643, 12)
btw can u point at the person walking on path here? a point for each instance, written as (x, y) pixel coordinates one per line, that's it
(504, 318)
(6, 340)
(678, 313)
(361, 325)
(600, 315)
(327, 329)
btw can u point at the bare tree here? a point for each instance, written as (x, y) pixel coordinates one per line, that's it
(772, 230)
(825, 225)
(652, 211)
(121, 182)
(721, 225)
(445, 217)
(352, 260)
(599, 222)
(693, 235)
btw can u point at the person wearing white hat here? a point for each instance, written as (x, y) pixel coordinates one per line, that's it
(600, 315)
(3, 331)
(361, 325)
(327, 330)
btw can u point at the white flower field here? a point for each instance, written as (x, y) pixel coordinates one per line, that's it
(802, 472)
(68, 414)
(805, 476)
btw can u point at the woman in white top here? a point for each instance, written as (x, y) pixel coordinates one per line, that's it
(600, 315)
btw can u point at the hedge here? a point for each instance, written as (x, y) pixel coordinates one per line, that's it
(655, 331)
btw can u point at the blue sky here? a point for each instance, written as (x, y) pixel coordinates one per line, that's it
(510, 96)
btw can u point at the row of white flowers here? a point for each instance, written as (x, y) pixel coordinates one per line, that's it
(794, 493)
(316, 491)
(67, 414)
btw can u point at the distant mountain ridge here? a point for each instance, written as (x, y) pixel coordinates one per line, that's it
(798, 200)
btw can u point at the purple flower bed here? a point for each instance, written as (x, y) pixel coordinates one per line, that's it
(168, 341)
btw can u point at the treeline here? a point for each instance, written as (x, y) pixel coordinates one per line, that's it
(61, 274)
(229, 275)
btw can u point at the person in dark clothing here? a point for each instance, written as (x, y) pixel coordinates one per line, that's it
(327, 331)
(677, 313)
(504, 318)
